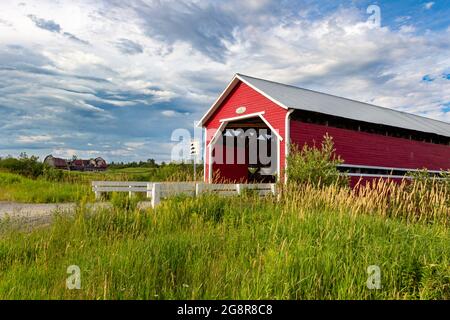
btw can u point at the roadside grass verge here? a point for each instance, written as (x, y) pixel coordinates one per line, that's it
(14, 187)
(66, 186)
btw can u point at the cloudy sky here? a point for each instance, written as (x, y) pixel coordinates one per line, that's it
(105, 78)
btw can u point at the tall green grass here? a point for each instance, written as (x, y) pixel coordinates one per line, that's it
(14, 187)
(229, 248)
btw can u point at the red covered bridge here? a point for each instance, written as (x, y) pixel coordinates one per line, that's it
(373, 141)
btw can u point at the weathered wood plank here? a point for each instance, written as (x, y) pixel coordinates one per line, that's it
(119, 183)
(217, 187)
(120, 189)
(259, 186)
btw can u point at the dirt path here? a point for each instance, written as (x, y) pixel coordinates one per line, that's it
(30, 215)
(41, 213)
(23, 210)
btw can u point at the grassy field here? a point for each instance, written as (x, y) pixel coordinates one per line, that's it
(75, 186)
(309, 244)
(14, 187)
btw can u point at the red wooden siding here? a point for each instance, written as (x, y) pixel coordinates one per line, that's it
(244, 96)
(234, 172)
(362, 148)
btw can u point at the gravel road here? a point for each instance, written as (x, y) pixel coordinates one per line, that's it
(41, 213)
(23, 210)
(32, 214)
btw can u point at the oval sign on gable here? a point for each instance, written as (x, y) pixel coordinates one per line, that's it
(241, 110)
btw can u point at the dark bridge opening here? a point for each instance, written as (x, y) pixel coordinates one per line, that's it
(245, 152)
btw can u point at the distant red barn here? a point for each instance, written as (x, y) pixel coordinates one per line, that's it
(97, 164)
(373, 141)
(56, 163)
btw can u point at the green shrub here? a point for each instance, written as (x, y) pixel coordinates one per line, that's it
(51, 174)
(316, 166)
(26, 166)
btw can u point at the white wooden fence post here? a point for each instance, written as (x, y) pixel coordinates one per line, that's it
(238, 188)
(198, 189)
(149, 190)
(156, 194)
(273, 188)
(97, 193)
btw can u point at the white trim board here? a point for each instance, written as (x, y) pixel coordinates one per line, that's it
(287, 142)
(219, 100)
(262, 92)
(228, 89)
(245, 116)
(272, 129)
(217, 133)
(210, 173)
(253, 115)
(370, 175)
(205, 161)
(224, 122)
(383, 168)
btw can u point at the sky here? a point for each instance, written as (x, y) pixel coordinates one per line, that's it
(116, 78)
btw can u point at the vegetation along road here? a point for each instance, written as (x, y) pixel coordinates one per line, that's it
(38, 213)
(316, 240)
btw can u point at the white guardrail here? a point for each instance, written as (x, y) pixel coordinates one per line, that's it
(158, 190)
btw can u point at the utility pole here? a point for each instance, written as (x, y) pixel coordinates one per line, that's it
(194, 148)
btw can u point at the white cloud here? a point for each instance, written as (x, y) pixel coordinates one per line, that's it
(65, 153)
(34, 138)
(133, 145)
(168, 113)
(428, 5)
(74, 60)
(105, 93)
(340, 54)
